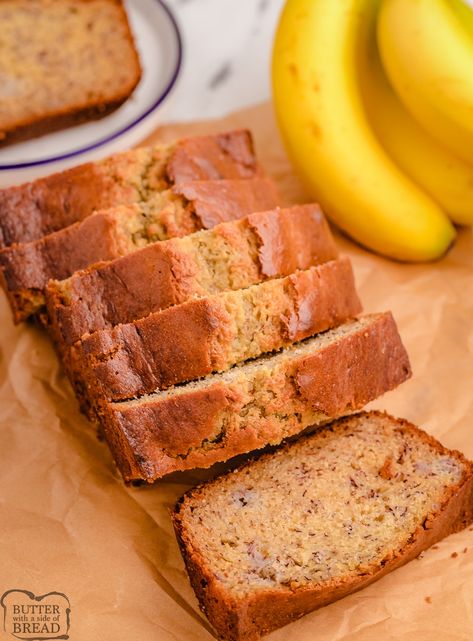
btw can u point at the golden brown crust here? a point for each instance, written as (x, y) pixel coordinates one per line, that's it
(165, 348)
(28, 267)
(214, 423)
(332, 291)
(285, 247)
(225, 155)
(32, 210)
(127, 288)
(49, 124)
(377, 369)
(213, 206)
(161, 275)
(193, 339)
(215, 202)
(246, 619)
(38, 208)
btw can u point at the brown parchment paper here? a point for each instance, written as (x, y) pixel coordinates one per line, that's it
(68, 524)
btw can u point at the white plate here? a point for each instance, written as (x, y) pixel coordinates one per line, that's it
(159, 44)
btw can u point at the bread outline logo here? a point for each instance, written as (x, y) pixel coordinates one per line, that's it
(36, 618)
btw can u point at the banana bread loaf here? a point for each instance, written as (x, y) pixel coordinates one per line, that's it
(213, 333)
(258, 403)
(62, 62)
(318, 519)
(32, 210)
(25, 269)
(231, 256)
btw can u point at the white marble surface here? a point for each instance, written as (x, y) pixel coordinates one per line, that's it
(227, 53)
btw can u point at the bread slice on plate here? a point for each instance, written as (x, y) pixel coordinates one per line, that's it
(32, 210)
(232, 255)
(26, 268)
(258, 403)
(210, 334)
(62, 62)
(317, 520)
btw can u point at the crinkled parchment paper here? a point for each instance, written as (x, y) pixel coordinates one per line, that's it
(68, 524)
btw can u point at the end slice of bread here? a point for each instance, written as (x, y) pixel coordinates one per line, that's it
(317, 520)
(258, 403)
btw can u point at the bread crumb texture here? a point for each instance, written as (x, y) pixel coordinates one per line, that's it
(59, 56)
(322, 508)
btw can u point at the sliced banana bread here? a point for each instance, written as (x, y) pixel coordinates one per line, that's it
(258, 403)
(231, 256)
(35, 209)
(213, 333)
(62, 62)
(25, 269)
(318, 519)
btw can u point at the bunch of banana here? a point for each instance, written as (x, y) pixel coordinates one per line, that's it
(374, 99)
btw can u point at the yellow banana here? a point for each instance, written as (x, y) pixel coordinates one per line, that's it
(443, 175)
(324, 125)
(464, 13)
(428, 56)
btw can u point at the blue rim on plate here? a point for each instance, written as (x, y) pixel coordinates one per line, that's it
(123, 130)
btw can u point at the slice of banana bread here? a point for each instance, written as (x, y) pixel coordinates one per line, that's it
(233, 255)
(213, 333)
(25, 269)
(317, 520)
(62, 62)
(32, 210)
(258, 403)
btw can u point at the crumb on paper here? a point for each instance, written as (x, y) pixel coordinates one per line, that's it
(435, 547)
(465, 550)
(428, 599)
(454, 555)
